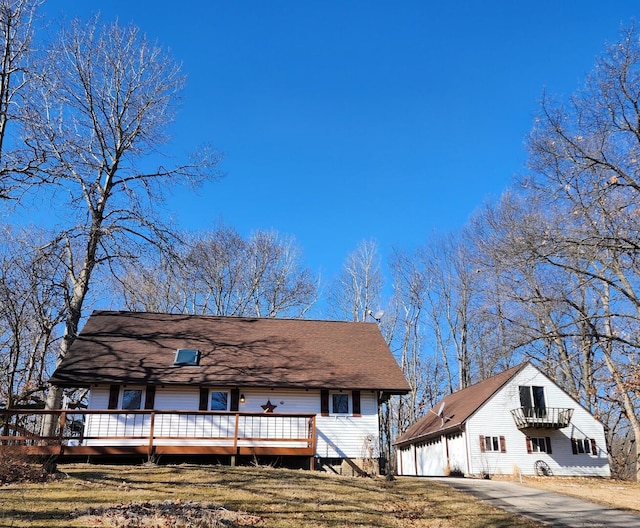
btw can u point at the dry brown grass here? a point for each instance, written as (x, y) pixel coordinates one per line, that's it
(268, 497)
(614, 493)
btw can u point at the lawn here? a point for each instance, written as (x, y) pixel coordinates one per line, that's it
(242, 496)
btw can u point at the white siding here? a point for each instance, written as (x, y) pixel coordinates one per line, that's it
(99, 398)
(348, 436)
(341, 436)
(177, 399)
(338, 436)
(494, 419)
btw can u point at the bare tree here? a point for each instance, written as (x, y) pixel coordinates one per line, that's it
(448, 298)
(30, 311)
(18, 161)
(355, 293)
(585, 157)
(220, 273)
(154, 283)
(98, 115)
(276, 282)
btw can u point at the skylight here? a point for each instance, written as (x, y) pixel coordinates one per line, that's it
(187, 356)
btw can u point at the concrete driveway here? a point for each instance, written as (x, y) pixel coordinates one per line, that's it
(543, 506)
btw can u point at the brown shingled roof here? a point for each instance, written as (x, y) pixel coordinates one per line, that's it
(140, 347)
(456, 408)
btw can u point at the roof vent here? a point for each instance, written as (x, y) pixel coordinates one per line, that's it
(187, 356)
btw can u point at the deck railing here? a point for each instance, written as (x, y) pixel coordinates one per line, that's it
(542, 418)
(66, 431)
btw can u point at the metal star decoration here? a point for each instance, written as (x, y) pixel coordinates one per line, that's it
(268, 407)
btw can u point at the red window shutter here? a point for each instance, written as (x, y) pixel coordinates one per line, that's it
(150, 398)
(114, 393)
(529, 448)
(503, 444)
(355, 400)
(594, 447)
(548, 441)
(324, 402)
(574, 446)
(235, 399)
(482, 444)
(204, 399)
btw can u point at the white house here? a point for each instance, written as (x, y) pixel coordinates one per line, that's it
(228, 386)
(517, 422)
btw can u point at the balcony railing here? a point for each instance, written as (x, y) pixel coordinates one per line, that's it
(542, 418)
(99, 432)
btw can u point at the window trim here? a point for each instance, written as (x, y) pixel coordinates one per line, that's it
(192, 359)
(535, 400)
(545, 441)
(125, 389)
(498, 444)
(349, 410)
(228, 397)
(584, 446)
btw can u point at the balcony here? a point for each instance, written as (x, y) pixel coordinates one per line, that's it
(542, 418)
(65, 432)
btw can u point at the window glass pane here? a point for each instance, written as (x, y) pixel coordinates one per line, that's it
(525, 400)
(187, 356)
(132, 399)
(219, 401)
(340, 404)
(539, 445)
(495, 443)
(525, 396)
(538, 398)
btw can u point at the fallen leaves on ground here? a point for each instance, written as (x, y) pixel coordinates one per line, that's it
(165, 514)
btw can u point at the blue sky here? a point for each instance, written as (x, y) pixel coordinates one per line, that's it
(344, 121)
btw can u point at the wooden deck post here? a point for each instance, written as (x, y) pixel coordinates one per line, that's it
(151, 434)
(232, 461)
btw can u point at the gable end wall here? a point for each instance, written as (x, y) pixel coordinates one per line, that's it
(494, 419)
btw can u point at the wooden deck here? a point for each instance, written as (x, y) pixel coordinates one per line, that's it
(64, 433)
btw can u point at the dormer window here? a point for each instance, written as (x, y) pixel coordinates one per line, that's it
(187, 356)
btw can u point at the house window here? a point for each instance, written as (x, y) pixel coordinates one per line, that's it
(187, 356)
(533, 401)
(219, 401)
(132, 399)
(538, 444)
(339, 403)
(495, 444)
(584, 445)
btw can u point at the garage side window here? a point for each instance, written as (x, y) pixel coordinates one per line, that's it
(538, 444)
(584, 446)
(493, 444)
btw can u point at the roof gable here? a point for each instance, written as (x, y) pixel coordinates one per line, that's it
(457, 408)
(140, 347)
